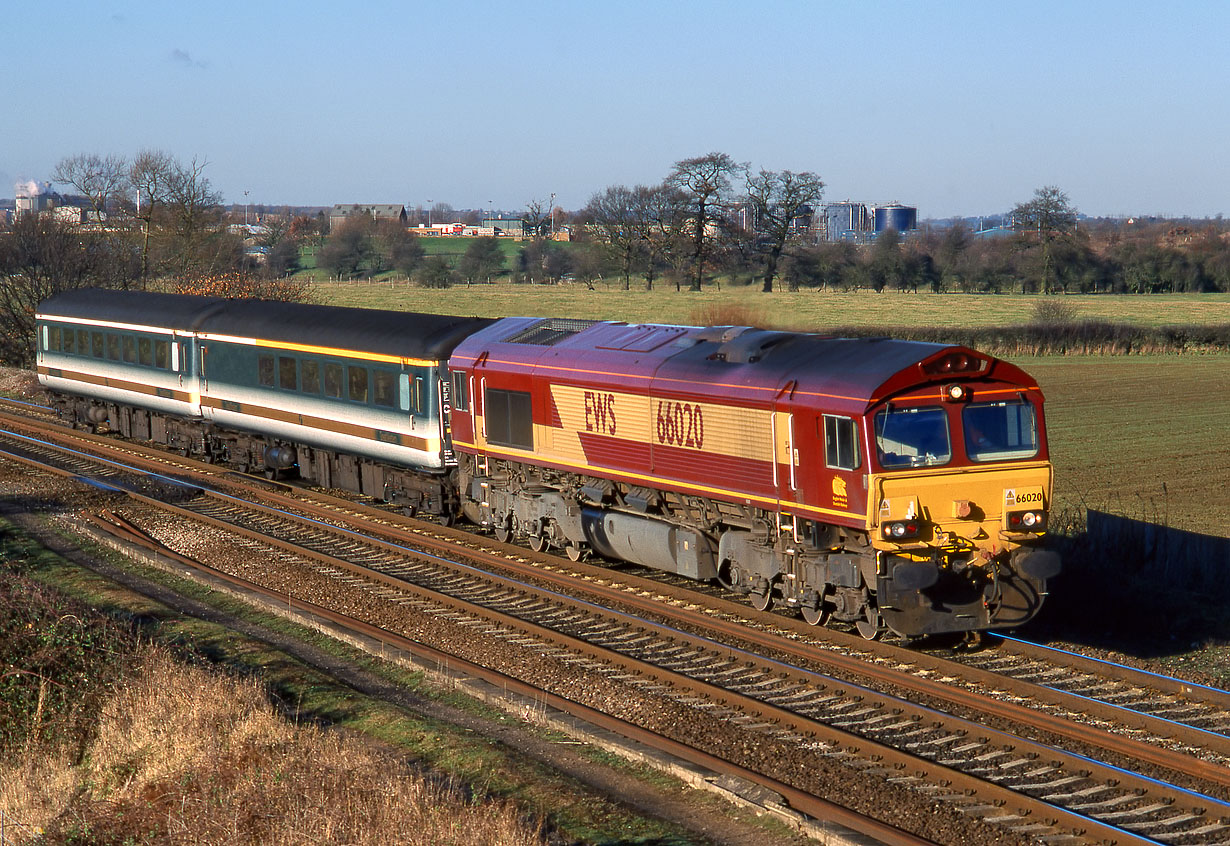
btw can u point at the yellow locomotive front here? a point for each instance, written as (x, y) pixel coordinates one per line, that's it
(958, 499)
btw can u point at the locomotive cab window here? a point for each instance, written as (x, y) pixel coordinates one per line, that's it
(460, 397)
(912, 437)
(508, 418)
(999, 431)
(840, 443)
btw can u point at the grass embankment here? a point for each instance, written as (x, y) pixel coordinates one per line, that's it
(110, 737)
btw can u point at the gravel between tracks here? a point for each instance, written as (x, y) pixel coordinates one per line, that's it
(25, 489)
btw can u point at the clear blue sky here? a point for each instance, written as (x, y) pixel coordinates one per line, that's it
(959, 108)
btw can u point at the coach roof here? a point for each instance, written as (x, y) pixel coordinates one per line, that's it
(395, 333)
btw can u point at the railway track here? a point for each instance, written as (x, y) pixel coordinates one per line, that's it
(1025, 786)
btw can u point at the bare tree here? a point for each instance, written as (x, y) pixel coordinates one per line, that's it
(779, 199)
(148, 178)
(101, 179)
(705, 183)
(660, 213)
(612, 218)
(1049, 217)
(40, 257)
(194, 210)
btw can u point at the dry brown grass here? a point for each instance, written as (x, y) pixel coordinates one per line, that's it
(185, 755)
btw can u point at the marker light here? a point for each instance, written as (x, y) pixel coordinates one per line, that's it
(1027, 521)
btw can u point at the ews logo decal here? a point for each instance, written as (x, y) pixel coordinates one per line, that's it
(600, 413)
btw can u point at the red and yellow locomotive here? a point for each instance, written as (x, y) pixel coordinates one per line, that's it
(891, 484)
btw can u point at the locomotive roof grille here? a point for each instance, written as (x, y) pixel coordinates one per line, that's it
(550, 331)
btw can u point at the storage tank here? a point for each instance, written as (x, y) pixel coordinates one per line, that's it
(896, 216)
(845, 220)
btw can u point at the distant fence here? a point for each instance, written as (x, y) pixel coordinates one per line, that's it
(1161, 553)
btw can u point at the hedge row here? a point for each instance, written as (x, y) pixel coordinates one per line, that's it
(1075, 338)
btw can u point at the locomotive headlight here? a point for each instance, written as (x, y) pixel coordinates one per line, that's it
(901, 529)
(955, 393)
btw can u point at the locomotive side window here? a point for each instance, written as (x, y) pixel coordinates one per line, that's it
(357, 380)
(264, 370)
(912, 437)
(997, 431)
(333, 380)
(840, 443)
(288, 373)
(384, 388)
(310, 372)
(460, 398)
(508, 418)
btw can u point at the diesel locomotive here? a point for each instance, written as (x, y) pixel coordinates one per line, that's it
(890, 484)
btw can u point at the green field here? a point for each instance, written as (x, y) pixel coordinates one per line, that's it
(803, 310)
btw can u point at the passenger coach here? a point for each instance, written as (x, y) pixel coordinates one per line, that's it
(348, 396)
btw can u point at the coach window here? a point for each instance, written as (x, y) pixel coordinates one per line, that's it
(130, 349)
(145, 352)
(51, 338)
(113, 347)
(162, 355)
(310, 373)
(69, 341)
(509, 420)
(83, 342)
(264, 370)
(96, 344)
(333, 380)
(384, 388)
(288, 375)
(356, 379)
(840, 443)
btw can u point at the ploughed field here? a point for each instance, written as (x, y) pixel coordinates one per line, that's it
(1146, 437)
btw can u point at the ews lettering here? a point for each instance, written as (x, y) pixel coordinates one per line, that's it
(600, 413)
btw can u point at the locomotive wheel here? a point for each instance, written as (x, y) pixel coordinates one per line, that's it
(870, 627)
(575, 551)
(762, 601)
(817, 616)
(537, 542)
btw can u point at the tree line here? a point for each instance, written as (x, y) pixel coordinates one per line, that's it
(710, 220)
